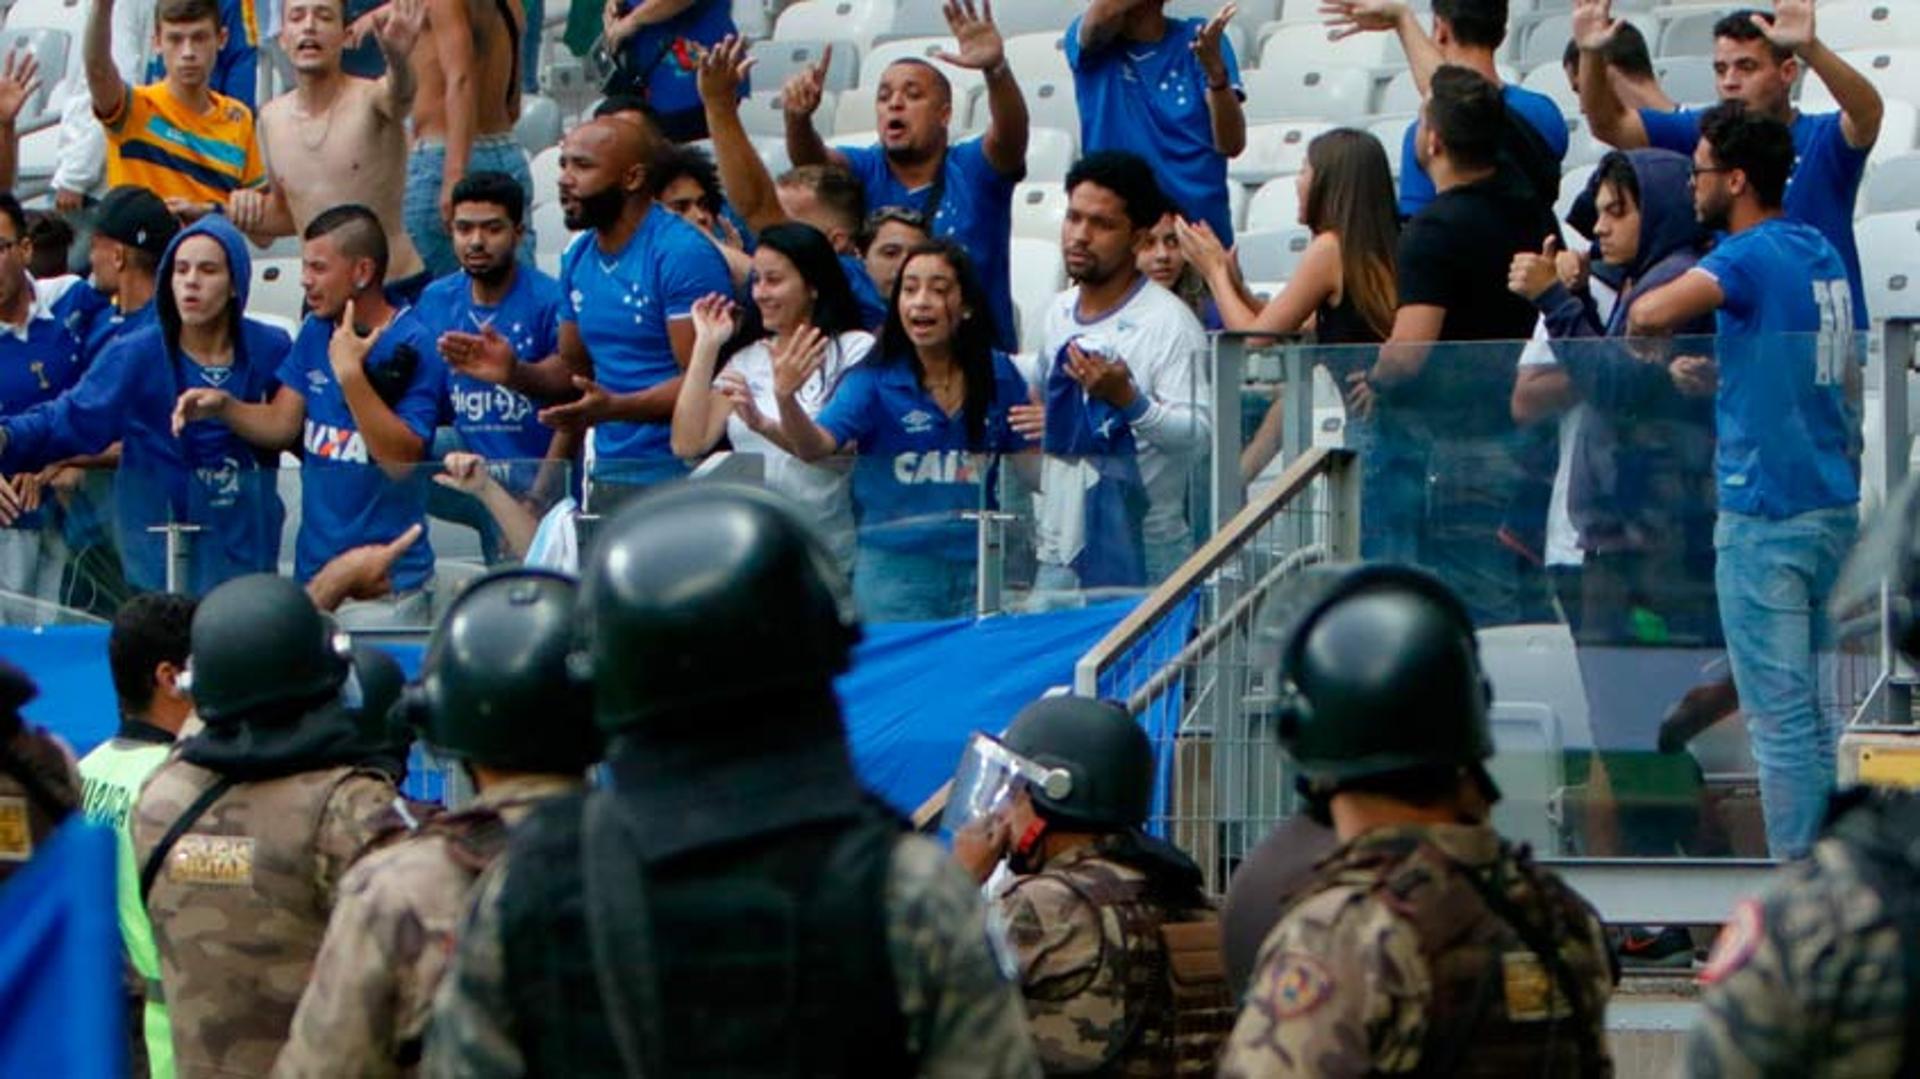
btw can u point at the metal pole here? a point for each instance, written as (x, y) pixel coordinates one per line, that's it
(1890, 703)
(1223, 467)
(179, 551)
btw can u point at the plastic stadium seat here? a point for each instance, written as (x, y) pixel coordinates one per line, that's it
(1870, 24)
(750, 16)
(1551, 79)
(1572, 182)
(854, 111)
(1272, 254)
(828, 20)
(1038, 58)
(1895, 72)
(1252, 12)
(1051, 104)
(1294, 44)
(545, 168)
(1689, 80)
(1334, 93)
(774, 153)
(52, 48)
(539, 125)
(1392, 133)
(550, 228)
(922, 48)
(1899, 132)
(276, 288)
(776, 61)
(1037, 277)
(1400, 94)
(1050, 153)
(1237, 198)
(1689, 33)
(1892, 186)
(1273, 150)
(1275, 206)
(762, 115)
(1546, 41)
(921, 18)
(1582, 147)
(852, 140)
(67, 16)
(1038, 210)
(1887, 261)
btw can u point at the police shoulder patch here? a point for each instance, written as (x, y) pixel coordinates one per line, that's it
(1298, 985)
(211, 859)
(16, 830)
(1737, 941)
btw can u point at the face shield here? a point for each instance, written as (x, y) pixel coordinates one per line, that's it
(984, 783)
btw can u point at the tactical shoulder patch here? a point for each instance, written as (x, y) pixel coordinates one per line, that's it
(1531, 996)
(16, 830)
(212, 859)
(1299, 984)
(1737, 942)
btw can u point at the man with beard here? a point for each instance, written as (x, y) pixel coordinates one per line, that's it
(1785, 384)
(626, 327)
(337, 138)
(966, 189)
(497, 297)
(1120, 354)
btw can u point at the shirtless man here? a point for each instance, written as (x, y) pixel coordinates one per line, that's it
(467, 68)
(338, 139)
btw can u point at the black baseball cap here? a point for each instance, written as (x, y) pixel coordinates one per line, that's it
(138, 218)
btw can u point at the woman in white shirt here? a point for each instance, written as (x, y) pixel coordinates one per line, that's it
(802, 305)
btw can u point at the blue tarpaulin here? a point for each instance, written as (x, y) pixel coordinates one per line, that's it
(916, 691)
(61, 997)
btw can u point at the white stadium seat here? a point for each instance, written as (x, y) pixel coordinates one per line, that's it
(276, 288)
(1294, 92)
(1050, 153)
(1400, 94)
(1038, 58)
(827, 20)
(1870, 24)
(1294, 44)
(776, 61)
(1899, 131)
(55, 50)
(1890, 263)
(550, 228)
(1052, 104)
(1274, 149)
(919, 48)
(1037, 276)
(545, 170)
(1895, 72)
(1272, 254)
(1275, 206)
(1689, 80)
(1551, 79)
(540, 124)
(1892, 186)
(1038, 210)
(1392, 133)
(762, 115)
(66, 16)
(1572, 182)
(1688, 33)
(1237, 198)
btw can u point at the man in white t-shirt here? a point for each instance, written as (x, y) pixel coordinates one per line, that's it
(1126, 416)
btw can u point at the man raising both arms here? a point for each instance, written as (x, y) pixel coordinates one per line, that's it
(337, 139)
(467, 70)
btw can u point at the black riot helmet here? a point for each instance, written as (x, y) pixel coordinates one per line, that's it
(1106, 757)
(494, 688)
(1380, 673)
(375, 691)
(705, 592)
(257, 644)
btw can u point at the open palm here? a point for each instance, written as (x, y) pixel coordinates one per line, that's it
(976, 37)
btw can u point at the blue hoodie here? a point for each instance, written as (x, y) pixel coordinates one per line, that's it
(208, 476)
(1642, 473)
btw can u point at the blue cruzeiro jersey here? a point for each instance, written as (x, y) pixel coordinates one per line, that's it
(38, 362)
(347, 500)
(493, 421)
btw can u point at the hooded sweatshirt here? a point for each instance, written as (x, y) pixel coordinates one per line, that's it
(1642, 474)
(208, 476)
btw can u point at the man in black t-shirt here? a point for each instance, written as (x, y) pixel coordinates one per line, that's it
(1443, 402)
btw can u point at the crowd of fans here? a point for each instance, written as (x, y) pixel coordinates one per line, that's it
(1534, 422)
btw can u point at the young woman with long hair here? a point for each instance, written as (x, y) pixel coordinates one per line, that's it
(921, 412)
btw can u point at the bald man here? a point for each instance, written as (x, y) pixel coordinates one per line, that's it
(467, 70)
(628, 286)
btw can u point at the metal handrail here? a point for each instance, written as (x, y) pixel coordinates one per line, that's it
(1215, 553)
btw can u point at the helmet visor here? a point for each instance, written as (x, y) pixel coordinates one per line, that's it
(986, 778)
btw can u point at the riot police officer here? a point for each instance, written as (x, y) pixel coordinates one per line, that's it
(734, 902)
(1819, 977)
(243, 834)
(1425, 941)
(494, 694)
(1116, 943)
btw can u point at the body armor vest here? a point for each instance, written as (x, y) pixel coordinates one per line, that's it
(1881, 828)
(1515, 980)
(1168, 964)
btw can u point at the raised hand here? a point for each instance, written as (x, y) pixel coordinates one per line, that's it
(723, 70)
(1200, 246)
(398, 24)
(18, 81)
(713, 318)
(199, 403)
(486, 355)
(1594, 24)
(1206, 45)
(1350, 17)
(801, 96)
(465, 472)
(974, 34)
(733, 386)
(594, 405)
(1792, 27)
(348, 348)
(1531, 275)
(800, 355)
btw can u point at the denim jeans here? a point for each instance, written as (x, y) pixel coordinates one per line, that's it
(896, 586)
(1773, 579)
(421, 206)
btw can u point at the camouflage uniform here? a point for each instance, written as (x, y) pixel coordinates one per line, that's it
(963, 1018)
(1809, 980)
(25, 821)
(1086, 936)
(1346, 985)
(242, 900)
(392, 934)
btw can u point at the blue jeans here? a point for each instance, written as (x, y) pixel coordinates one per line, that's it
(421, 206)
(895, 586)
(1773, 579)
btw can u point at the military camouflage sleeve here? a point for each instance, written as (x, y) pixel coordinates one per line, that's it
(1056, 939)
(963, 1013)
(1806, 980)
(1340, 990)
(348, 822)
(345, 1023)
(472, 1034)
